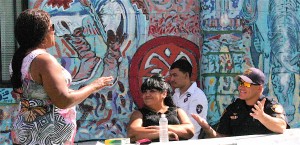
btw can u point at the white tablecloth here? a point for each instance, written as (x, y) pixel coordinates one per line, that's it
(289, 137)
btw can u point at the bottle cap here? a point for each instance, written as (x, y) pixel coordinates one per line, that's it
(163, 115)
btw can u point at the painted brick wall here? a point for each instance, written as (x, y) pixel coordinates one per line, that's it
(133, 39)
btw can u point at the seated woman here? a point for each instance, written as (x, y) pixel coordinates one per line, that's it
(144, 123)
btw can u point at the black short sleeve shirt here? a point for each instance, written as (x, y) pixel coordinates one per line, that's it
(236, 119)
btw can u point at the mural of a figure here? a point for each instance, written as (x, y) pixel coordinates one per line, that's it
(285, 55)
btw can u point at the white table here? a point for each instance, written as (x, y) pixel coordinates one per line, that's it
(289, 137)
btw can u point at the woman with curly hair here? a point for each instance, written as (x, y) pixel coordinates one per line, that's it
(47, 112)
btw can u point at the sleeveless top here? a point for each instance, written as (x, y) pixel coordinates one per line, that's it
(38, 121)
(151, 118)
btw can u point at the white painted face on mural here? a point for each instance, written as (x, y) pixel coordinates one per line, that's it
(111, 15)
(66, 25)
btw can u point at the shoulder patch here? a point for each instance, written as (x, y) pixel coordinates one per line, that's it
(199, 108)
(277, 108)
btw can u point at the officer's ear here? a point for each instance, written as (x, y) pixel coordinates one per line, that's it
(261, 88)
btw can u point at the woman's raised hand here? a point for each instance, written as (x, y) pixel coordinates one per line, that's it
(102, 82)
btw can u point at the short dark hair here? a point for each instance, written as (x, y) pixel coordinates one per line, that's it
(158, 82)
(183, 65)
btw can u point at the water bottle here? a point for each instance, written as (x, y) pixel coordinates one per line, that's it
(163, 129)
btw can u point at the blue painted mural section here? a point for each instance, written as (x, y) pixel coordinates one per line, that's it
(94, 39)
(245, 34)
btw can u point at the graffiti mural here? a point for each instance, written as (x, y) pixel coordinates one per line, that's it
(243, 34)
(8, 107)
(156, 56)
(92, 40)
(284, 37)
(132, 39)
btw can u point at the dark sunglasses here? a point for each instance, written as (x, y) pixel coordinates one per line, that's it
(246, 84)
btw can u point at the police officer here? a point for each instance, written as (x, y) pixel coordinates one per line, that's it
(187, 95)
(251, 113)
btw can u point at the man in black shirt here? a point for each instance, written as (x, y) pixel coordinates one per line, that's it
(251, 113)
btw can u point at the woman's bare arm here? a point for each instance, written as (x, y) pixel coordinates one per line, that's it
(48, 72)
(185, 129)
(135, 130)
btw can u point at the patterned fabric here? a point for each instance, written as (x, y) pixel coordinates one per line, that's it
(38, 120)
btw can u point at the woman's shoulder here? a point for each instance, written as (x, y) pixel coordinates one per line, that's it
(173, 108)
(45, 59)
(37, 52)
(44, 56)
(179, 110)
(136, 114)
(176, 110)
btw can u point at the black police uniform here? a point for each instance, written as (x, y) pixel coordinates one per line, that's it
(236, 119)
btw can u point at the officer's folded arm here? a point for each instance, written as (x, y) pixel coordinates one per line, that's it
(275, 124)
